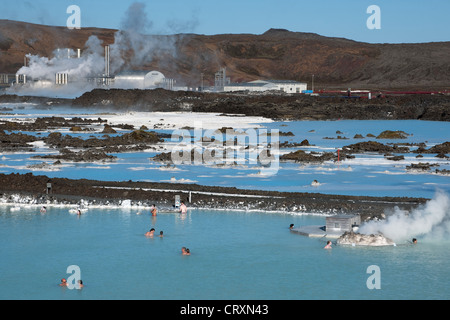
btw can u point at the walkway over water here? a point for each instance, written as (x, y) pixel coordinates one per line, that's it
(317, 232)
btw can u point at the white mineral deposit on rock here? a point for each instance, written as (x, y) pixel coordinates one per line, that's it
(358, 239)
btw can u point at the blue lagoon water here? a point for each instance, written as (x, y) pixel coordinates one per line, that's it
(234, 255)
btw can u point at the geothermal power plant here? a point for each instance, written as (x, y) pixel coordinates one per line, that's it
(70, 68)
(124, 79)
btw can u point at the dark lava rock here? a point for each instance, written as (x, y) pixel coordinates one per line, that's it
(180, 157)
(72, 191)
(90, 155)
(108, 129)
(396, 158)
(302, 156)
(368, 146)
(388, 134)
(443, 172)
(421, 166)
(48, 123)
(287, 144)
(15, 142)
(440, 148)
(275, 106)
(137, 137)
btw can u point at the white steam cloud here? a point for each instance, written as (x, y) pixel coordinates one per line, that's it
(65, 61)
(131, 50)
(430, 221)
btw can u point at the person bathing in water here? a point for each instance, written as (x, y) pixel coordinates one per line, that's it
(150, 233)
(183, 208)
(153, 211)
(328, 246)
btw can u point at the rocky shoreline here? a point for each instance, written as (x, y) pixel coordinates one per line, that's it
(273, 105)
(99, 148)
(33, 190)
(276, 105)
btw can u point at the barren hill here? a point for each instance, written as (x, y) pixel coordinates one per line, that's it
(276, 54)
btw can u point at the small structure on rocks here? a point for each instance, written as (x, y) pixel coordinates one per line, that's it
(335, 226)
(343, 222)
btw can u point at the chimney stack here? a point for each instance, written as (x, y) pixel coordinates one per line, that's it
(107, 61)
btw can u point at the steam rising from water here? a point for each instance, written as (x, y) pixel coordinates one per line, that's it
(430, 221)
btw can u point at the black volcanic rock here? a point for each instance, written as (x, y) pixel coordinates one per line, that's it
(276, 106)
(72, 191)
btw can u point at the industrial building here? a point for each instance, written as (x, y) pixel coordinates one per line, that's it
(334, 226)
(287, 86)
(342, 222)
(222, 83)
(130, 79)
(65, 75)
(142, 80)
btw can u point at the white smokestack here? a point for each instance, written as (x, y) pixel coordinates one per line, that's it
(107, 61)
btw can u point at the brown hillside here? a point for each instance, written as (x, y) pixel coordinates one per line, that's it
(276, 54)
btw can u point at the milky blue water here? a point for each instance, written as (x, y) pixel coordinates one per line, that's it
(367, 174)
(234, 255)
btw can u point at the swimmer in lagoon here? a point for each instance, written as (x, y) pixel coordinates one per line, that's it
(328, 246)
(63, 283)
(414, 241)
(188, 252)
(291, 226)
(183, 251)
(161, 234)
(183, 208)
(80, 284)
(150, 233)
(153, 210)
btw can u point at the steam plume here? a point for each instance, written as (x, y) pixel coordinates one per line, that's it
(430, 221)
(132, 49)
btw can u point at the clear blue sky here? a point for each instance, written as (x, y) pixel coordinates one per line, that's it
(401, 20)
